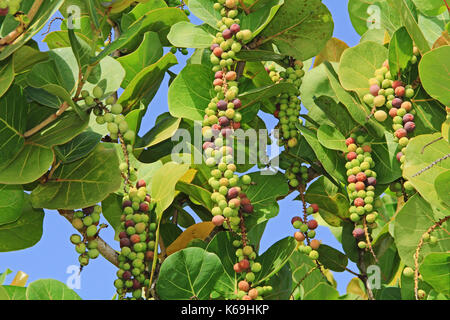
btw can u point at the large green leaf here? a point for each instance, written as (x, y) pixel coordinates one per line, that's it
(188, 273)
(78, 147)
(301, 28)
(417, 161)
(331, 138)
(6, 75)
(45, 12)
(333, 203)
(28, 165)
(384, 155)
(274, 258)
(81, 183)
(164, 129)
(411, 222)
(203, 9)
(11, 203)
(432, 27)
(435, 270)
(434, 69)
(187, 35)
(112, 210)
(332, 259)
(13, 121)
(430, 114)
(260, 16)
(222, 246)
(263, 193)
(159, 20)
(281, 284)
(333, 163)
(163, 186)
(443, 187)
(191, 92)
(430, 7)
(149, 52)
(258, 94)
(322, 291)
(12, 293)
(400, 51)
(24, 232)
(358, 65)
(50, 289)
(406, 15)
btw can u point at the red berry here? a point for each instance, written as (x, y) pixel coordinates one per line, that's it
(224, 121)
(349, 141)
(393, 112)
(361, 176)
(213, 46)
(125, 242)
(4, 12)
(245, 201)
(149, 255)
(312, 224)
(400, 133)
(297, 218)
(276, 113)
(227, 34)
(408, 117)
(222, 105)
(396, 84)
(315, 207)
(314, 244)
(360, 186)
(399, 155)
(218, 82)
(218, 75)
(243, 285)
(367, 148)
(126, 275)
(397, 102)
(358, 233)
(136, 284)
(135, 238)
(400, 91)
(218, 52)
(233, 193)
(352, 179)
(237, 268)
(244, 264)
(299, 236)
(351, 156)
(143, 207)
(236, 125)
(207, 145)
(141, 183)
(231, 76)
(237, 103)
(127, 203)
(374, 89)
(235, 28)
(371, 181)
(248, 208)
(410, 126)
(129, 223)
(218, 220)
(359, 202)
(122, 235)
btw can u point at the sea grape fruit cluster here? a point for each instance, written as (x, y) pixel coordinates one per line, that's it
(361, 185)
(221, 119)
(86, 222)
(295, 173)
(9, 6)
(307, 232)
(177, 3)
(396, 97)
(247, 267)
(289, 106)
(137, 241)
(109, 112)
(183, 51)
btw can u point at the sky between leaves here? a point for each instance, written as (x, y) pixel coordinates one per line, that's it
(54, 256)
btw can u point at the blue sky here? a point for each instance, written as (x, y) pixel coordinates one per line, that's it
(54, 255)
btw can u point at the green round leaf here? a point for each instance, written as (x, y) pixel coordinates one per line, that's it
(11, 203)
(434, 80)
(50, 289)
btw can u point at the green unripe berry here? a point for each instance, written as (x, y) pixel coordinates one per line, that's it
(97, 92)
(75, 239)
(91, 231)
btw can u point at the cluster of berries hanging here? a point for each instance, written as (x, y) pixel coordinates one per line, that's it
(289, 105)
(86, 222)
(9, 6)
(295, 173)
(307, 232)
(137, 242)
(361, 187)
(396, 97)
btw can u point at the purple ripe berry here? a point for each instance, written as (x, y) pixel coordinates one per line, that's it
(408, 117)
(136, 284)
(227, 34)
(358, 233)
(222, 105)
(371, 181)
(127, 203)
(232, 193)
(88, 210)
(397, 102)
(410, 126)
(129, 223)
(235, 28)
(223, 121)
(374, 89)
(125, 242)
(122, 235)
(126, 275)
(237, 103)
(213, 46)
